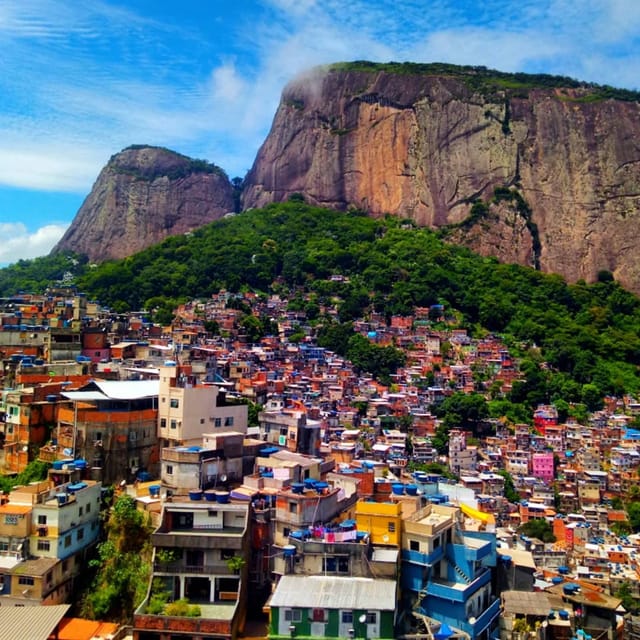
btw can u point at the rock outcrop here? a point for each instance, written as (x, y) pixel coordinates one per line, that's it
(143, 195)
(427, 145)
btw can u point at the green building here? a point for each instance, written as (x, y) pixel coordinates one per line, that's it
(333, 607)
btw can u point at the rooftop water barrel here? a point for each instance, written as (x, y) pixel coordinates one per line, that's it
(61, 498)
(57, 465)
(154, 490)
(289, 550)
(81, 464)
(297, 487)
(412, 490)
(210, 495)
(222, 497)
(298, 535)
(321, 487)
(195, 494)
(397, 488)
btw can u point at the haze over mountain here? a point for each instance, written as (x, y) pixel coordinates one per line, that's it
(431, 143)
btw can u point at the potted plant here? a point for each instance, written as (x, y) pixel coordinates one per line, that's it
(235, 563)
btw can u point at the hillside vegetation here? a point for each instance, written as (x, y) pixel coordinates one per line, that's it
(574, 339)
(487, 81)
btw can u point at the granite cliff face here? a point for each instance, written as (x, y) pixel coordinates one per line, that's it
(143, 195)
(427, 146)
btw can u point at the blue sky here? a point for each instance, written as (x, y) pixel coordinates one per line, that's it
(82, 80)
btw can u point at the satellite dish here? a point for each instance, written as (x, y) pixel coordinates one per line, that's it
(223, 477)
(25, 448)
(385, 538)
(362, 619)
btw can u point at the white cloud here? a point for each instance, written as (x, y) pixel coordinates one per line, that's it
(19, 244)
(48, 165)
(95, 77)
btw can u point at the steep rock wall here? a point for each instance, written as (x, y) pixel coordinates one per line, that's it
(142, 196)
(426, 146)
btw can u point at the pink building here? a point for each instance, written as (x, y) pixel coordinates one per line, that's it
(542, 466)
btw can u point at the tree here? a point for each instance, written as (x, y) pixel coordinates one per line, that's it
(538, 528)
(510, 492)
(631, 604)
(123, 565)
(463, 411)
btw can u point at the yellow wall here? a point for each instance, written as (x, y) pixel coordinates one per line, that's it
(382, 520)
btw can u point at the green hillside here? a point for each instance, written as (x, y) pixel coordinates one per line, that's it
(586, 335)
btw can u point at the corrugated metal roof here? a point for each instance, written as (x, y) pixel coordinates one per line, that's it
(30, 623)
(116, 390)
(332, 592)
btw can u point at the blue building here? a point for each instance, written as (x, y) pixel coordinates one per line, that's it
(448, 572)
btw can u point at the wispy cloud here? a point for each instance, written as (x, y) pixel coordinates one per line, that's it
(18, 243)
(82, 80)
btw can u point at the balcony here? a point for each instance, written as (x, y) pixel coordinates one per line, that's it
(180, 568)
(425, 559)
(457, 591)
(227, 538)
(484, 620)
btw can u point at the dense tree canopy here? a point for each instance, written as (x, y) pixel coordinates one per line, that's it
(578, 341)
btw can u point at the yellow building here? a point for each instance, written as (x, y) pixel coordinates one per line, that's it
(383, 521)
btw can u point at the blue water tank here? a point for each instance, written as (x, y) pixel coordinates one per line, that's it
(397, 488)
(289, 550)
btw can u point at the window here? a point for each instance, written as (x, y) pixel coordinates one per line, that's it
(169, 469)
(318, 615)
(371, 617)
(44, 545)
(392, 527)
(283, 431)
(49, 577)
(347, 617)
(80, 511)
(201, 420)
(65, 566)
(174, 424)
(293, 507)
(80, 534)
(414, 545)
(11, 518)
(163, 423)
(174, 403)
(4, 546)
(212, 513)
(26, 580)
(88, 507)
(67, 541)
(293, 615)
(228, 421)
(335, 564)
(217, 422)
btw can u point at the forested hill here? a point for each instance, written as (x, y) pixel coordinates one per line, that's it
(588, 334)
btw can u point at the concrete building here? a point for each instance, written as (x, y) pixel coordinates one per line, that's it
(188, 408)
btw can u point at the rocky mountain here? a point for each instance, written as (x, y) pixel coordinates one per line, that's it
(426, 142)
(538, 170)
(143, 195)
